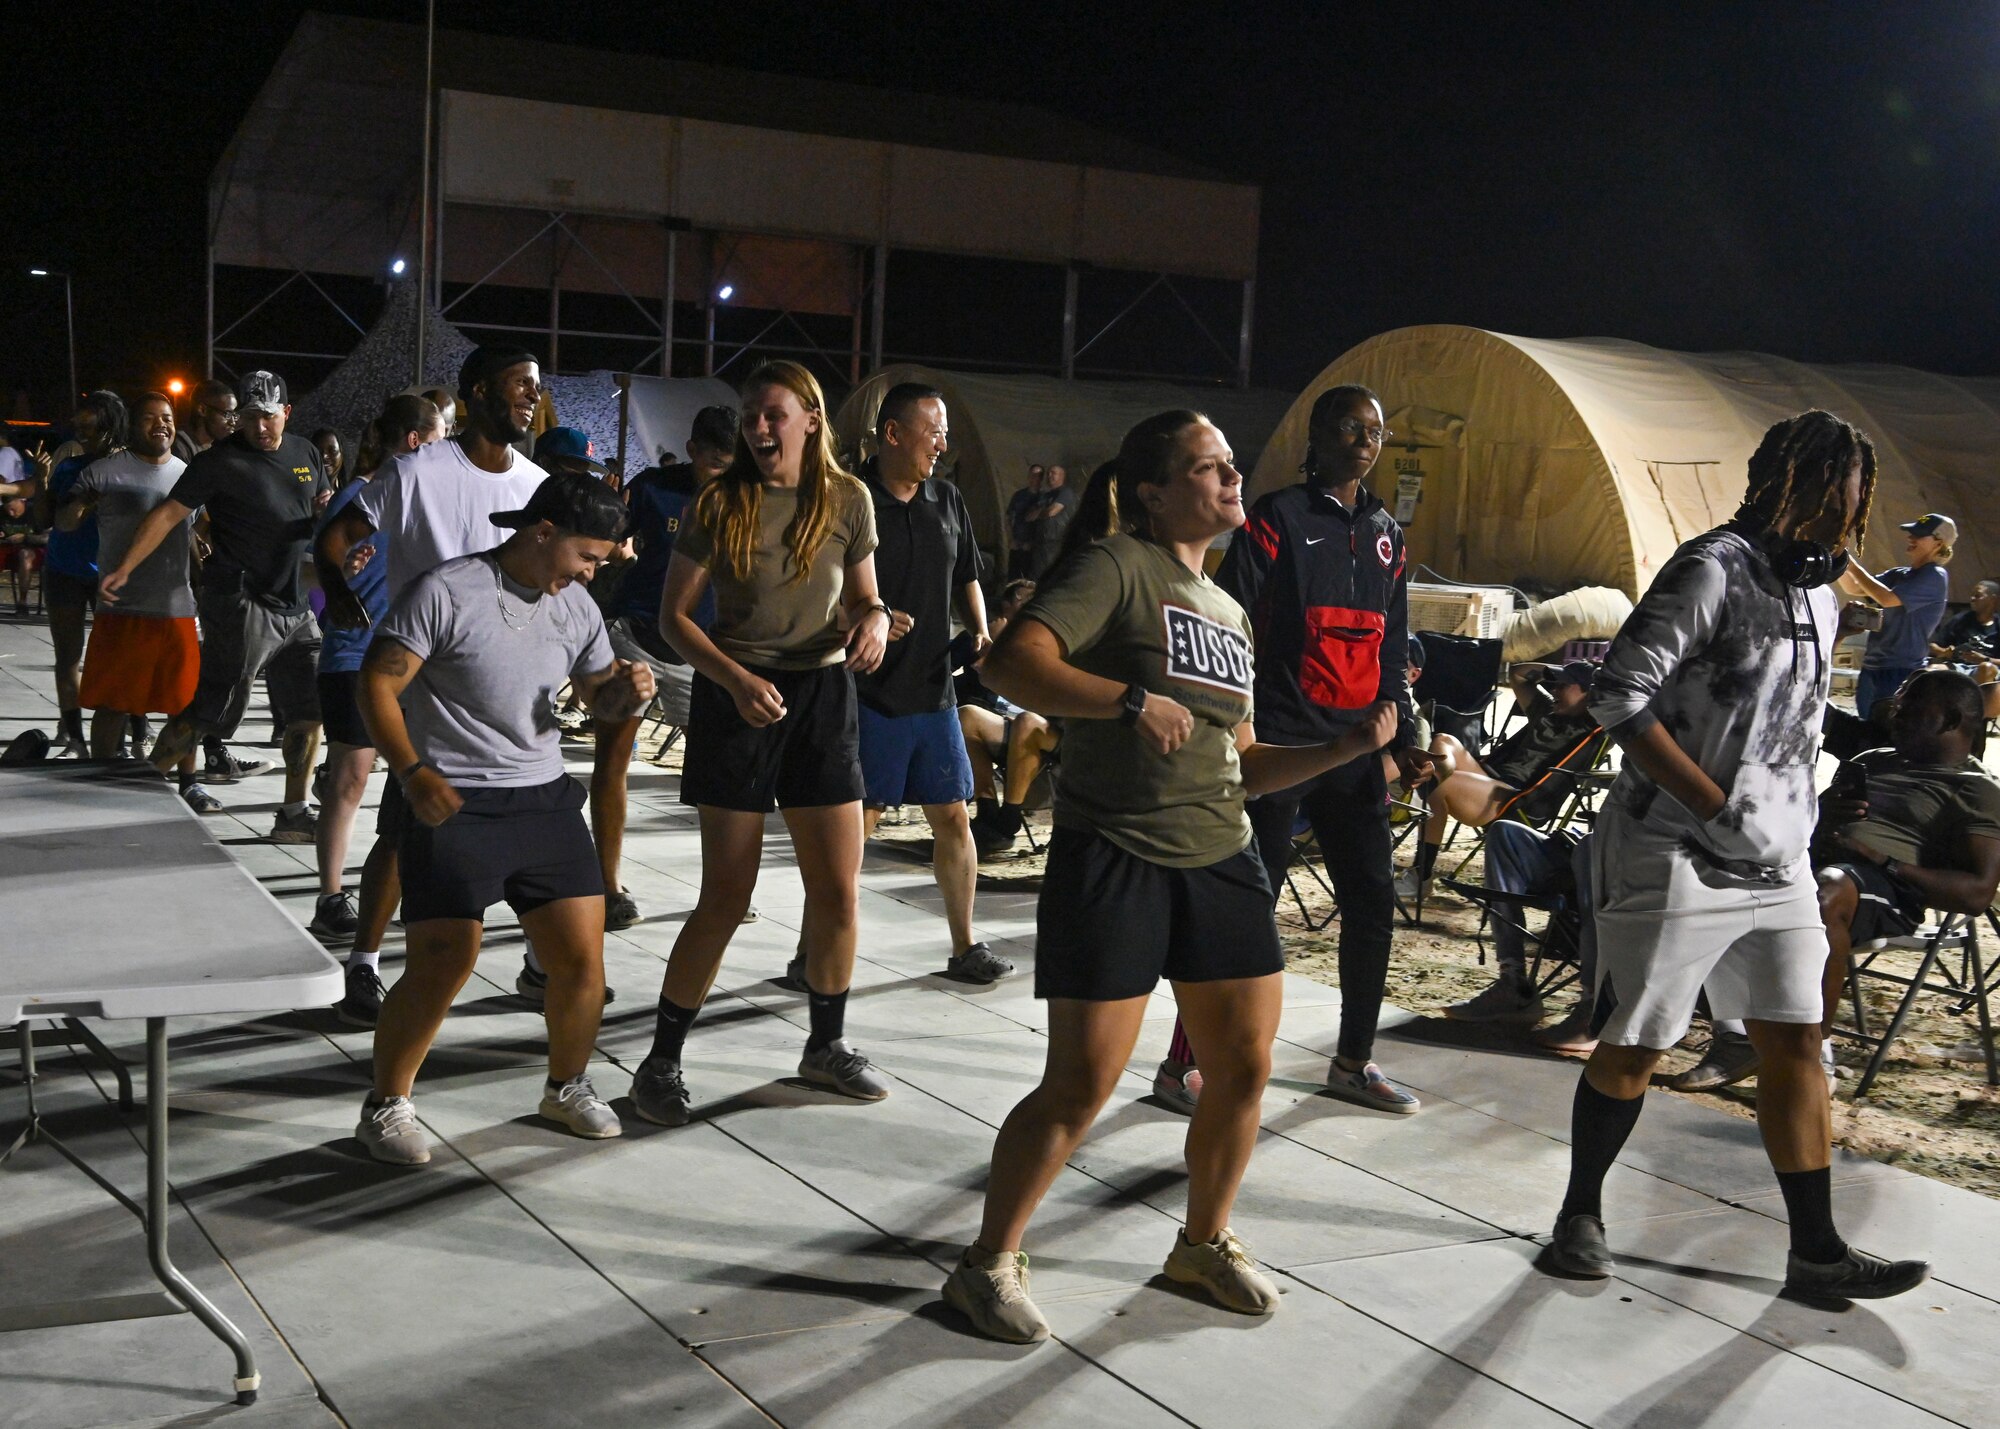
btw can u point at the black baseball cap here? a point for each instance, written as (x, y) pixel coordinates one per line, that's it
(1580, 673)
(1416, 655)
(262, 391)
(570, 501)
(483, 361)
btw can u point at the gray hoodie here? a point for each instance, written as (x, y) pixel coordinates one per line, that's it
(1736, 665)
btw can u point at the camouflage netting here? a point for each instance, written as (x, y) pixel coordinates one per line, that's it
(379, 368)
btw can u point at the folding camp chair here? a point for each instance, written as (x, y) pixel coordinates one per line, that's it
(1555, 952)
(1951, 967)
(1458, 684)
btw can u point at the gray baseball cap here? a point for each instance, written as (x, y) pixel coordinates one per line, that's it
(262, 391)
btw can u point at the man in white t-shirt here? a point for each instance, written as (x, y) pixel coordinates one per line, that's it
(435, 504)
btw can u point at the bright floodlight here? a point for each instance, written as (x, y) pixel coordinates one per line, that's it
(176, 386)
(397, 267)
(38, 272)
(727, 290)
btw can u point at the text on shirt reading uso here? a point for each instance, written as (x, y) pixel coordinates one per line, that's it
(1204, 651)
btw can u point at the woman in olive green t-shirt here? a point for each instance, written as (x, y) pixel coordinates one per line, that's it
(1152, 870)
(787, 540)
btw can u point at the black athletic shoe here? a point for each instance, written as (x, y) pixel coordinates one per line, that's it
(228, 768)
(1855, 1276)
(1577, 1248)
(659, 1094)
(621, 910)
(334, 917)
(362, 1007)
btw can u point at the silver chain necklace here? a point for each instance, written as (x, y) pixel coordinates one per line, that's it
(500, 599)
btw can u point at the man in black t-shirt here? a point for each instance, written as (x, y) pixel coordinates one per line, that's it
(263, 489)
(1972, 635)
(912, 750)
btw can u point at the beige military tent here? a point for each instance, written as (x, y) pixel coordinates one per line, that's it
(1587, 461)
(1000, 424)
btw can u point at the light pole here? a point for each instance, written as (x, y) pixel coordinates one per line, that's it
(69, 326)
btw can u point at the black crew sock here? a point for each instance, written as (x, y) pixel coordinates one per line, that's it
(72, 725)
(670, 1031)
(828, 1011)
(1809, 1204)
(1427, 858)
(187, 781)
(1598, 1127)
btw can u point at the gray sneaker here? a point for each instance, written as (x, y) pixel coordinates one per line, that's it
(1730, 1058)
(839, 1066)
(1177, 1087)
(659, 1094)
(533, 987)
(1224, 1269)
(990, 1288)
(299, 828)
(978, 963)
(1577, 1247)
(1504, 1001)
(577, 1106)
(390, 1132)
(334, 917)
(795, 974)
(200, 800)
(621, 910)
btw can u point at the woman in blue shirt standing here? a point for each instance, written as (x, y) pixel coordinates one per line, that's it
(1913, 599)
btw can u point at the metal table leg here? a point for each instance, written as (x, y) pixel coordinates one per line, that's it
(247, 1378)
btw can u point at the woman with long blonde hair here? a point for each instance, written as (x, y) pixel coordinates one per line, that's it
(786, 538)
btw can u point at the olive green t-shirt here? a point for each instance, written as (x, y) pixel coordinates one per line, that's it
(1922, 814)
(1127, 610)
(768, 621)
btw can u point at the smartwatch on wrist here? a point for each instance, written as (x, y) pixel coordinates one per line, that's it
(1135, 704)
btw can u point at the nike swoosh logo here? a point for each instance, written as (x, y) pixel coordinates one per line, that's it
(1314, 540)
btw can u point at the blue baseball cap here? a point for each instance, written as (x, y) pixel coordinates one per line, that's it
(567, 449)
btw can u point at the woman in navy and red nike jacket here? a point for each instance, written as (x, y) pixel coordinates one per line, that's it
(1320, 568)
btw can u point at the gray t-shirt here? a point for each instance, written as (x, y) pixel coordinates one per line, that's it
(127, 488)
(482, 709)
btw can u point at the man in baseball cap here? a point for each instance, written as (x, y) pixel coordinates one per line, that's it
(575, 505)
(1568, 683)
(1913, 597)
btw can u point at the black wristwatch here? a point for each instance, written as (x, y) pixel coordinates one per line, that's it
(1135, 704)
(1888, 866)
(403, 776)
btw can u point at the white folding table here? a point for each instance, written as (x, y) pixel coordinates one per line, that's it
(118, 903)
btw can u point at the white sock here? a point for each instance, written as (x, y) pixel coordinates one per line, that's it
(371, 960)
(534, 963)
(298, 808)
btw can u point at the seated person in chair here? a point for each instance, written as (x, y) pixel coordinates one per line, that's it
(1524, 860)
(1912, 827)
(1008, 746)
(1511, 778)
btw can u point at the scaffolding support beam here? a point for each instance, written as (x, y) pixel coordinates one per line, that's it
(878, 298)
(1243, 332)
(1069, 321)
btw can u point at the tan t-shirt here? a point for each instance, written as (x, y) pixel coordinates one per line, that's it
(767, 621)
(1127, 610)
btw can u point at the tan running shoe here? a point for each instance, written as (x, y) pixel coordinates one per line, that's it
(990, 1288)
(1224, 1269)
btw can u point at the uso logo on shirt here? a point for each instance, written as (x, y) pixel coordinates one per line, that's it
(1206, 652)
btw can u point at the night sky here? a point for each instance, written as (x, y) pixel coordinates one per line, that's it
(1819, 181)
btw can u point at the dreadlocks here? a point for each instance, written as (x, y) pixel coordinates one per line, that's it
(1799, 471)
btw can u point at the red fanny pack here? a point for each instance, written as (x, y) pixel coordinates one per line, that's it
(1341, 665)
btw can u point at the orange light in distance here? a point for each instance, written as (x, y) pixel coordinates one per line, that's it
(176, 386)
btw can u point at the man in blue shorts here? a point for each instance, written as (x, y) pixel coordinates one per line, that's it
(912, 750)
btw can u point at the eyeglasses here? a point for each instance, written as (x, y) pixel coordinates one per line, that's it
(228, 417)
(1362, 432)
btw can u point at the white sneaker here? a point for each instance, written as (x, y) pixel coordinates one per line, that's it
(577, 1106)
(1409, 888)
(1504, 1001)
(390, 1132)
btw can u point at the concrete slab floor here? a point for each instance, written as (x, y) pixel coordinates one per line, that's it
(779, 1260)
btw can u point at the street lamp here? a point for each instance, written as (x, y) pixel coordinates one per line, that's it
(69, 324)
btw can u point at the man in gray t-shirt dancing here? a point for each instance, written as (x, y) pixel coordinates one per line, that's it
(458, 692)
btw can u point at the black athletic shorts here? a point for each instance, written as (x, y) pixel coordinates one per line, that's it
(340, 710)
(1889, 907)
(59, 589)
(1110, 924)
(527, 846)
(809, 759)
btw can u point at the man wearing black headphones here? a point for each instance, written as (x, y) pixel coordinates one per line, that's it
(1715, 690)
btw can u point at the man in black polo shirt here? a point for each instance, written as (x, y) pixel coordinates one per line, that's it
(912, 751)
(263, 489)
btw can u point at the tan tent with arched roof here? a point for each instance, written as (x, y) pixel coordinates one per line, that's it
(1587, 461)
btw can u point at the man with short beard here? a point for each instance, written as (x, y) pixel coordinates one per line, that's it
(434, 505)
(262, 488)
(144, 656)
(213, 420)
